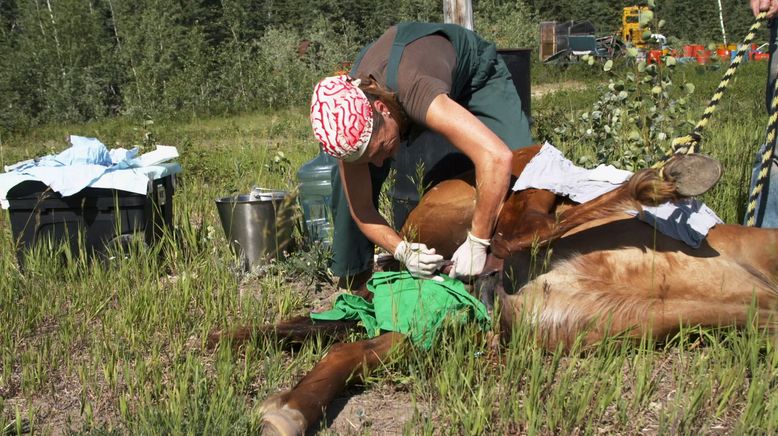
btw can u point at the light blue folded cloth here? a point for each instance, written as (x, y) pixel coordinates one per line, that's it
(88, 163)
(688, 220)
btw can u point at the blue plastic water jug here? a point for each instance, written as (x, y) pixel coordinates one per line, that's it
(316, 197)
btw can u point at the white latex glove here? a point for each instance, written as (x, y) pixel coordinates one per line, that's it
(470, 257)
(421, 262)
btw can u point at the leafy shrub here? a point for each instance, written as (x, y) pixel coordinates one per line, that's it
(507, 24)
(636, 116)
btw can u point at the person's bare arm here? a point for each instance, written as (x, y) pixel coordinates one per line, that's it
(357, 186)
(491, 157)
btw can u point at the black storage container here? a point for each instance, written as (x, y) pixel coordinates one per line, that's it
(92, 219)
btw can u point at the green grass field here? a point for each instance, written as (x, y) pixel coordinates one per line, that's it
(118, 347)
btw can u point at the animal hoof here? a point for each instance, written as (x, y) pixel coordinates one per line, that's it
(283, 422)
(693, 174)
(279, 419)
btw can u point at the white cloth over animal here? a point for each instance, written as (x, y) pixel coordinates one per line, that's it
(686, 220)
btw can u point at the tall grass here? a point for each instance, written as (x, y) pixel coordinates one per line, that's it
(117, 346)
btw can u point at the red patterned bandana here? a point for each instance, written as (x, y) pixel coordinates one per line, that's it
(341, 117)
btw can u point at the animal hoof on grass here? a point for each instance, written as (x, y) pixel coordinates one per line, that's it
(283, 422)
(279, 419)
(693, 174)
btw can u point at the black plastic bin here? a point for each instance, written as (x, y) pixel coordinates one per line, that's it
(93, 219)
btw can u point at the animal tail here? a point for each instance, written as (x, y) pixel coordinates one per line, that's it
(644, 187)
(648, 187)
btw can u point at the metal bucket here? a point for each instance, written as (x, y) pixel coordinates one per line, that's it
(258, 225)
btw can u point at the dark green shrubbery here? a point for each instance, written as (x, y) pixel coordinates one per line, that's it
(74, 61)
(71, 61)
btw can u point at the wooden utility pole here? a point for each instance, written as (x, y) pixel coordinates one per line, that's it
(458, 12)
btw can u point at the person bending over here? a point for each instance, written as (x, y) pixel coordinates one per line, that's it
(415, 77)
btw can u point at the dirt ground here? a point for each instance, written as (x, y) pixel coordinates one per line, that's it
(380, 410)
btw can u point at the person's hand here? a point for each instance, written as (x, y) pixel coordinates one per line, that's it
(421, 262)
(470, 257)
(771, 6)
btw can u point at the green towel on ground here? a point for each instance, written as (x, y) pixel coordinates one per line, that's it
(414, 307)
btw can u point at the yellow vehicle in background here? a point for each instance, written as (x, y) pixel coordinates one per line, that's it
(631, 31)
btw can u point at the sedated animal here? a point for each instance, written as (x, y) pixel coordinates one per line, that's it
(607, 273)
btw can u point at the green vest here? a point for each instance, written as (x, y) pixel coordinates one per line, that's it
(473, 54)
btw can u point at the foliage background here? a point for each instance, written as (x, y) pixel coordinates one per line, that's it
(77, 60)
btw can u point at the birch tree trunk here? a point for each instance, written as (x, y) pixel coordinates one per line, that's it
(54, 33)
(721, 22)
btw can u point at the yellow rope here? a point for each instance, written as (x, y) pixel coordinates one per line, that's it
(689, 144)
(764, 166)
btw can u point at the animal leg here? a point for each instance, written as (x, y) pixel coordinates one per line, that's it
(291, 412)
(693, 174)
(292, 331)
(525, 214)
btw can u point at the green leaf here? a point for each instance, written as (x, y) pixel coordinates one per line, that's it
(608, 65)
(650, 3)
(656, 90)
(670, 61)
(661, 24)
(632, 52)
(646, 35)
(689, 88)
(590, 61)
(645, 18)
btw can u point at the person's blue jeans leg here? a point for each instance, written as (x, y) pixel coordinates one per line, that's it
(767, 202)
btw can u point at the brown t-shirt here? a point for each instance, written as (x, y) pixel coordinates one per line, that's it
(426, 70)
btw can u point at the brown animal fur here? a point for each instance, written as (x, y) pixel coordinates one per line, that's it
(617, 276)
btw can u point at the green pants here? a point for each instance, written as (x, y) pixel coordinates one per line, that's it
(496, 104)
